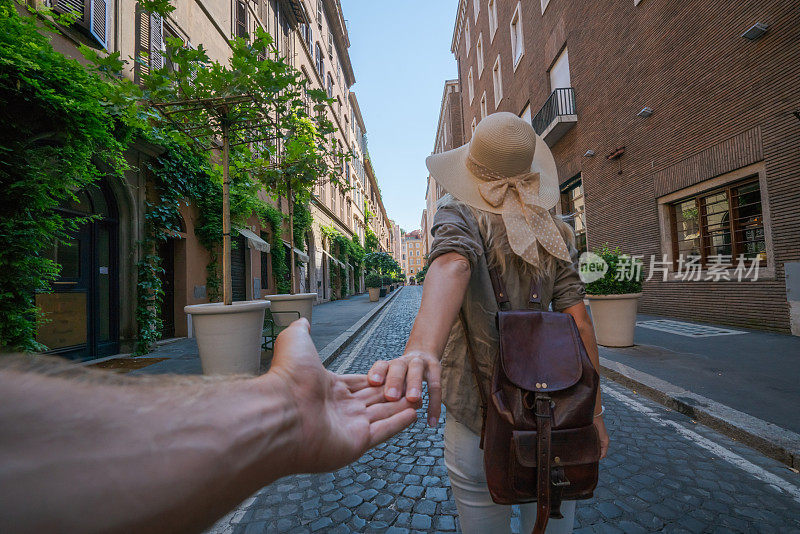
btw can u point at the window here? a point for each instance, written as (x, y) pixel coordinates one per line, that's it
(470, 86)
(476, 7)
(545, 3)
(319, 13)
(474, 124)
(573, 208)
(320, 61)
(727, 221)
(517, 37)
(497, 82)
(329, 87)
(466, 35)
(479, 54)
(559, 72)
(483, 106)
(240, 29)
(90, 14)
(492, 19)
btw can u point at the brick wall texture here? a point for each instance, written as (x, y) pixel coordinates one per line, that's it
(720, 102)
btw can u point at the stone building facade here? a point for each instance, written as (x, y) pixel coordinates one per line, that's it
(676, 131)
(312, 36)
(413, 255)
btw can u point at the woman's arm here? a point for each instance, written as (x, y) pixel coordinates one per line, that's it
(586, 331)
(442, 294)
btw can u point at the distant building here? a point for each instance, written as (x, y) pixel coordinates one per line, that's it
(413, 256)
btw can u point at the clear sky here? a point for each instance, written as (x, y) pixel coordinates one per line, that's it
(400, 52)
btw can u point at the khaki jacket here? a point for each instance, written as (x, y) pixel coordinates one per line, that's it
(455, 229)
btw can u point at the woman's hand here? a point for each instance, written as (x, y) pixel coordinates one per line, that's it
(602, 433)
(404, 376)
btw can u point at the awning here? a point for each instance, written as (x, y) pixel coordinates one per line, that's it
(253, 241)
(334, 260)
(299, 255)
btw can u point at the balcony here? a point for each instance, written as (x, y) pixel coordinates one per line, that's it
(557, 116)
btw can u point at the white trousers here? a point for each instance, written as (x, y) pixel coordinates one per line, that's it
(476, 510)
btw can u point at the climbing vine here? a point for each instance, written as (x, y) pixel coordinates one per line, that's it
(179, 175)
(57, 133)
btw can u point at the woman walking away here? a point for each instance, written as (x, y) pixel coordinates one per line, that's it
(497, 248)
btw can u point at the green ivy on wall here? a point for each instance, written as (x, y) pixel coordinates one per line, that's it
(57, 135)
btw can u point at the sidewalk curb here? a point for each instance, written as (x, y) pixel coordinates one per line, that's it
(335, 347)
(768, 438)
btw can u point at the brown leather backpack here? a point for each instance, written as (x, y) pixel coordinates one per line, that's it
(538, 436)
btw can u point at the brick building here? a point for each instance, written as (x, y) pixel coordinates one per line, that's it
(675, 123)
(449, 135)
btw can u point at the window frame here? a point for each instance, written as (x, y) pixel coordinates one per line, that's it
(491, 10)
(476, 8)
(483, 106)
(497, 81)
(517, 37)
(705, 236)
(470, 86)
(479, 54)
(544, 4)
(704, 188)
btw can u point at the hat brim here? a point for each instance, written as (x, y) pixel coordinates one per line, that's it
(450, 170)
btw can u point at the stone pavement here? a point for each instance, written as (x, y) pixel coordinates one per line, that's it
(328, 321)
(664, 473)
(766, 365)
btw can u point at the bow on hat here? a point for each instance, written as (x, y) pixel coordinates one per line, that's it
(526, 222)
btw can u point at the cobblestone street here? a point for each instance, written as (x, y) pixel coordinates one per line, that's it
(663, 473)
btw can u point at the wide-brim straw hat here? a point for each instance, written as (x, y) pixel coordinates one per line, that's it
(507, 169)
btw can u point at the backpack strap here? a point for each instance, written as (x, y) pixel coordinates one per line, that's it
(544, 420)
(473, 363)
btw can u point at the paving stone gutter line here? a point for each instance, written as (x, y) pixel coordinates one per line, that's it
(330, 351)
(769, 439)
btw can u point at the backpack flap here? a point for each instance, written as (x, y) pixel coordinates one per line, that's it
(539, 351)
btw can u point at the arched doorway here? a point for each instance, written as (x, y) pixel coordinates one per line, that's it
(83, 309)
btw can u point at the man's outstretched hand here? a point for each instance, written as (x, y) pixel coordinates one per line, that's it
(341, 416)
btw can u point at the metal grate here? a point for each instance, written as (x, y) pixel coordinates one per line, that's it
(687, 329)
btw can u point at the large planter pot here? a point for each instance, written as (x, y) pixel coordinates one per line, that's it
(285, 308)
(614, 318)
(229, 337)
(383, 291)
(374, 294)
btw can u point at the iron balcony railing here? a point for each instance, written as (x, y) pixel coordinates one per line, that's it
(561, 102)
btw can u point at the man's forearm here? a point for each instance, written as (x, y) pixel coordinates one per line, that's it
(442, 295)
(171, 459)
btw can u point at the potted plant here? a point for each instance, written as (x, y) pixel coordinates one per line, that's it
(614, 287)
(373, 283)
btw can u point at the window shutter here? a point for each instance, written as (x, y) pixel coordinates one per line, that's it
(98, 21)
(70, 6)
(157, 59)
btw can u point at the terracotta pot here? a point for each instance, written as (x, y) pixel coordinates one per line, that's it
(229, 337)
(374, 294)
(285, 305)
(614, 318)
